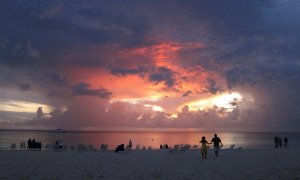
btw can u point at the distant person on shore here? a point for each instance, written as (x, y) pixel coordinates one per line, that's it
(280, 142)
(204, 147)
(130, 145)
(29, 142)
(276, 142)
(217, 141)
(285, 142)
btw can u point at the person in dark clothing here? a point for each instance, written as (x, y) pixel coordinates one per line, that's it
(130, 145)
(29, 142)
(216, 141)
(276, 142)
(285, 142)
(279, 142)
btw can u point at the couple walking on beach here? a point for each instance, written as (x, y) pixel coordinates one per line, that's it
(204, 146)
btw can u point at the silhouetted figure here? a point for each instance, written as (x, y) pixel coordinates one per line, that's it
(217, 141)
(160, 147)
(130, 145)
(204, 146)
(280, 142)
(29, 142)
(33, 144)
(167, 147)
(276, 142)
(285, 142)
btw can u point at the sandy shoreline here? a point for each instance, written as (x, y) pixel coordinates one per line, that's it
(154, 164)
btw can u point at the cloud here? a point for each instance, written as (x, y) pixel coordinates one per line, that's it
(24, 86)
(165, 75)
(187, 93)
(82, 89)
(61, 51)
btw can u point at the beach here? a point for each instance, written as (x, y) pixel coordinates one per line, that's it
(265, 163)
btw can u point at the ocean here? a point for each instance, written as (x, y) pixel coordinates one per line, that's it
(153, 139)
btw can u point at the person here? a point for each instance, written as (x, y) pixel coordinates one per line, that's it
(204, 146)
(130, 145)
(276, 142)
(160, 146)
(29, 142)
(279, 142)
(167, 147)
(285, 142)
(33, 145)
(217, 141)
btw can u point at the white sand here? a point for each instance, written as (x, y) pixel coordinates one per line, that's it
(155, 164)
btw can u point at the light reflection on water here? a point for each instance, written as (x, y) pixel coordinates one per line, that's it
(153, 139)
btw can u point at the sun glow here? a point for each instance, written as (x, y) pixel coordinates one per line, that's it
(23, 106)
(136, 100)
(225, 101)
(154, 107)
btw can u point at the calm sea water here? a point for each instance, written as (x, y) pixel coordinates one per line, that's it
(153, 139)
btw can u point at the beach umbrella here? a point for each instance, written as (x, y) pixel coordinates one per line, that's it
(120, 148)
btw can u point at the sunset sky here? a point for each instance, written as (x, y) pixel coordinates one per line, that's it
(197, 65)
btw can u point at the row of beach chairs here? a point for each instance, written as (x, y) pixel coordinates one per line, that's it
(104, 147)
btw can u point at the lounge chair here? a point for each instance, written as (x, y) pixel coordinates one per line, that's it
(22, 146)
(175, 148)
(81, 147)
(127, 148)
(195, 147)
(185, 147)
(47, 147)
(13, 146)
(103, 147)
(231, 146)
(72, 147)
(137, 147)
(90, 147)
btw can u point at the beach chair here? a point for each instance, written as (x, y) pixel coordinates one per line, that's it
(72, 148)
(175, 148)
(137, 147)
(103, 147)
(13, 146)
(127, 148)
(22, 146)
(231, 146)
(90, 147)
(64, 147)
(81, 147)
(182, 148)
(47, 147)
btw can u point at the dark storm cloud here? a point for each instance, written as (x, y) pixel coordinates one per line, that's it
(83, 89)
(187, 93)
(57, 28)
(23, 86)
(213, 87)
(56, 78)
(246, 42)
(123, 71)
(165, 75)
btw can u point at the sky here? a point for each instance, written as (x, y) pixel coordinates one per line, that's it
(197, 65)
